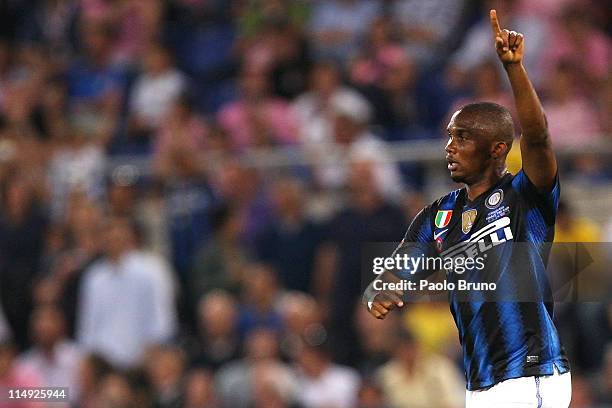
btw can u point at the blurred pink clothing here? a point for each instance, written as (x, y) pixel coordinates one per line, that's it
(573, 123)
(370, 70)
(96, 9)
(189, 136)
(20, 376)
(237, 118)
(132, 25)
(593, 55)
(544, 8)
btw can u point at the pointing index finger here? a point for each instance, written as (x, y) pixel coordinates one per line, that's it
(495, 23)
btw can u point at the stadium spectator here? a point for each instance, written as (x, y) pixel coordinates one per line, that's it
(292, 62)
(23, 224)
(302, 322)
(95, 85)
(311, 108)
(260, 296)
(275, 45)
(220, 263)
(426, 26)
(76, 166)
(15, 375)
(199, 389)
(273, 386)
(135, 22)
(180, 138)
(337, 26)
(125, 301)
(350, 117)
(259, 14)
(414, 378)
(322, 383)
(156, 89)
(115, 391)
(387, 77)
(371, 395)
(91, 371)
(375, 347)
(579, 42)
(217, 340)
(256, 118)
(242, 187)
(50, 114)
(53, 355)
(290, 242)
(236, 381)
(569, 113)
(165, 368)
(544, 9)
(189, 197)
(72, 247)
(433, 328)
(368, 218)
(571, 228)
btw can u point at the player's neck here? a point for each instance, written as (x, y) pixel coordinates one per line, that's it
(490, 178)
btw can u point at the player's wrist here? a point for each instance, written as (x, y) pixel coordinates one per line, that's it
(512, 65)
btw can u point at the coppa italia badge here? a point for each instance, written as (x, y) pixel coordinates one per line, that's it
(443, 217)
(467, 220)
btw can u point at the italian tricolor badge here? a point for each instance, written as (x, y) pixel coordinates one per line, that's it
(443, 217)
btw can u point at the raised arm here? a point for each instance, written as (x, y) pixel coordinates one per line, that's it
(539, 163)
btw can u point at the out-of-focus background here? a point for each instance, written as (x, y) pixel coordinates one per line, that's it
(185, 186)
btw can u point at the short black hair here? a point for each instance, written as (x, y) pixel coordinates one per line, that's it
(493, 117)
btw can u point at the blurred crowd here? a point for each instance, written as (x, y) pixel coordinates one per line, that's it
(198, 280)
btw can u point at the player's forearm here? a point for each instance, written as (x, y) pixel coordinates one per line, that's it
(529, 108)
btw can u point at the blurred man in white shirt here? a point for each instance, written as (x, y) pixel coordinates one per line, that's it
(126, 300)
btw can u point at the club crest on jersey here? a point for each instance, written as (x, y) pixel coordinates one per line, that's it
(443, 217)
(467, 220)
(494, 199)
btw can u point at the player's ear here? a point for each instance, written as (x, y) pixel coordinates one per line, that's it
(500, 149)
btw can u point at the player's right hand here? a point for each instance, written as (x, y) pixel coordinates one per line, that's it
(383, 303)
(510, 45)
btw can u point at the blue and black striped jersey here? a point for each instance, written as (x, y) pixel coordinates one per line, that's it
(511, 334)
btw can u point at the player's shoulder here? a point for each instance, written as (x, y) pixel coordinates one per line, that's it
(444, 204)
(521, 182)
(447, 201)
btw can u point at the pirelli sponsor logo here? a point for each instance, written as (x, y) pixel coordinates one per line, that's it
(482, 240)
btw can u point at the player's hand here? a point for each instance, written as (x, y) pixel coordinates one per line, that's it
(383, 303)
(508, 44)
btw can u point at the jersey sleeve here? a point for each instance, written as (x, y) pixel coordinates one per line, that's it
(546, 202)
(418, 240)
(420, 229)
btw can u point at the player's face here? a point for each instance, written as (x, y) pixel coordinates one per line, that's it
(467, 150)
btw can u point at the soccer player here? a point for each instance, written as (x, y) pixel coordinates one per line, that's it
(512, 353)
